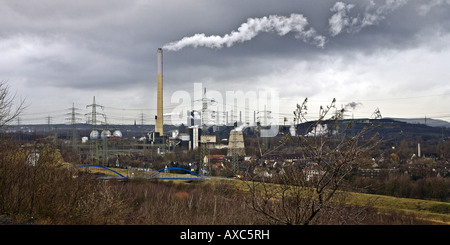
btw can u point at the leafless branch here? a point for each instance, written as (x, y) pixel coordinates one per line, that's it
(8, 112)
(300, 196)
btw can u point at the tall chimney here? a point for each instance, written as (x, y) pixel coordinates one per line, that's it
(418, 150)
(159, 106)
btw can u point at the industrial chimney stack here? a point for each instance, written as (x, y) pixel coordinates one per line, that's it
(159, 106)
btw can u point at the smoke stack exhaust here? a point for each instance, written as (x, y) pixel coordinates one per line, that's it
(159, 107)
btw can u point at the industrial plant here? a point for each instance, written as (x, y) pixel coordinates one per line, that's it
(101, 143)
(202, 144)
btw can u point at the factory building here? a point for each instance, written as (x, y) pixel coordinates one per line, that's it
(193, 118)
(194, 136)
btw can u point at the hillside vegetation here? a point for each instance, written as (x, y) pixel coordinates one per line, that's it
(49, 194)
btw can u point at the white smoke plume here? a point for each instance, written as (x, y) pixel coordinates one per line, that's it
(340, 19)
(373, 14)
(319, 130)
(426, 7)
(244, 126)
(281, 25)
(352, 105)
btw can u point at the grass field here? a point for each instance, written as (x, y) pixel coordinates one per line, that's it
(438, 212)
(434, 211)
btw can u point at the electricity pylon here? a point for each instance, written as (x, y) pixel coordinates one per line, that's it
(73, 120)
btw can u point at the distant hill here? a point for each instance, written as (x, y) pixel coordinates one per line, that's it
(429, 121)
(391, 130)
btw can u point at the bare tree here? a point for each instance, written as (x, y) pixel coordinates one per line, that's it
(8, 111)
(299, 193)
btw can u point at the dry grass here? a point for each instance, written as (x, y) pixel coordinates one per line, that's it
(49, 194)
(434, 211)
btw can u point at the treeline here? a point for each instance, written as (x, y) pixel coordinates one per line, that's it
(403, 185)
(403, 174)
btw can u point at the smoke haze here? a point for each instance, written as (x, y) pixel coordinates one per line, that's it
(296, 23)
(372, 15)
(352, 105)
(280, 25)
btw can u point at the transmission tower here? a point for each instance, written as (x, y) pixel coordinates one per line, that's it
(142, 119)
(204, 140)
(235, 155)
(73, 120)
(94, 113)
(263, 118)
(94, 146)
(49, 121)
(376, 114)
(204, 148)
(105, 142)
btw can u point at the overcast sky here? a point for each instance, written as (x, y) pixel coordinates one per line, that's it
(388, 54)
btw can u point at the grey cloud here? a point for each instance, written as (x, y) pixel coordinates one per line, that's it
(107, 45)
(340, 19)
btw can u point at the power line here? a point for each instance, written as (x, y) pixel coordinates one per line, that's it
(94, 113)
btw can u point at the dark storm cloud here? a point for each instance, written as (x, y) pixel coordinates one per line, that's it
(378, 26)
(371, 26)
(107, 36)
(110, 45)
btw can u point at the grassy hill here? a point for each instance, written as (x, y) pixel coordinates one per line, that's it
(437, 212)
(427, 210)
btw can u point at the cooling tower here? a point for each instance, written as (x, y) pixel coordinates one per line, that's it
(159, 106)
(236, 143)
